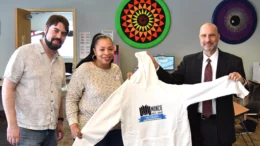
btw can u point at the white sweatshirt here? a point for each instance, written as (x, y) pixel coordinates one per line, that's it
(152, 113)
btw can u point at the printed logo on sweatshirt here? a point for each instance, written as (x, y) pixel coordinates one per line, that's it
(150, 113)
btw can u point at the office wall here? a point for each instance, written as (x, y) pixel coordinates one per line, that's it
(96, 15)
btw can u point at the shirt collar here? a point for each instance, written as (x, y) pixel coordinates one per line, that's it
(41, 47)
(213, 57)
(42, 50)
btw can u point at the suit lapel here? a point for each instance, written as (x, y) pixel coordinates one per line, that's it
(222, 65)
(198, 68)
(196, 77)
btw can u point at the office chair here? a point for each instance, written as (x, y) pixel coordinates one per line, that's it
(254, 100)
(68, 67)
(68, 72)
(248, 126)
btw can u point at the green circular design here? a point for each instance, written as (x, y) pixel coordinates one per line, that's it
(142, 45)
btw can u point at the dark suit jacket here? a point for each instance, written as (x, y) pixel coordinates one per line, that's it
(189, 72)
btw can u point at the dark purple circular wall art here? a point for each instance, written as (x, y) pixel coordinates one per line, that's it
(236, 20)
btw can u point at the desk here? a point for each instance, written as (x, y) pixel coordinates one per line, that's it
(239, 109)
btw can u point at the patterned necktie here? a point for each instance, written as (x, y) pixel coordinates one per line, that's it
(207, 105)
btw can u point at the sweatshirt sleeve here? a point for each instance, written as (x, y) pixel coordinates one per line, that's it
(210, 90)
(104, 119)
(183, 129)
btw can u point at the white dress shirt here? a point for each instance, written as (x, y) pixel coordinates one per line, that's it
(214, 63)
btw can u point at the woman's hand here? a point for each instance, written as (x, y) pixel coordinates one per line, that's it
(75, 131)
(129, 74)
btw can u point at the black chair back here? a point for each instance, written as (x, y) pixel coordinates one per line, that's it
(254, 97)
(68, 67)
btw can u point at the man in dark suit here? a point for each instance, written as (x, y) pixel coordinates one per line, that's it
(218, 128)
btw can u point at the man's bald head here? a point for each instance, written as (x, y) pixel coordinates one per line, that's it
(209, 38)
(209, 25)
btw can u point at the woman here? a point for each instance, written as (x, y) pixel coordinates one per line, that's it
(95, 78)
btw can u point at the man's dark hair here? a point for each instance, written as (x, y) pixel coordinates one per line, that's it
(55, 19)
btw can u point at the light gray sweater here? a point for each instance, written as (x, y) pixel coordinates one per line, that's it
(89, 87)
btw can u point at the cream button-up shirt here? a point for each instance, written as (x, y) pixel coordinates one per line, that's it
(39, 82)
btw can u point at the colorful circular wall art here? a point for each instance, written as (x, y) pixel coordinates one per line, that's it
(142, 24)
(236, 20)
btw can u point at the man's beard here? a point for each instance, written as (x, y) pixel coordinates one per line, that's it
(212, 47)
(51, 46)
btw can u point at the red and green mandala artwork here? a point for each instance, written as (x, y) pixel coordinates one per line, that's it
(142, 24)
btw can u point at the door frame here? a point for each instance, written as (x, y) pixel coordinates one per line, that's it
(74, 27)
(22, 28)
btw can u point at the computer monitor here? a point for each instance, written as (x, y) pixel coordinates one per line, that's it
(166, 62)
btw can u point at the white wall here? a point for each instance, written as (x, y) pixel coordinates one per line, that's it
(96, 15)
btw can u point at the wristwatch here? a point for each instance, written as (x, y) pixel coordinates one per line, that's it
(245, 82)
